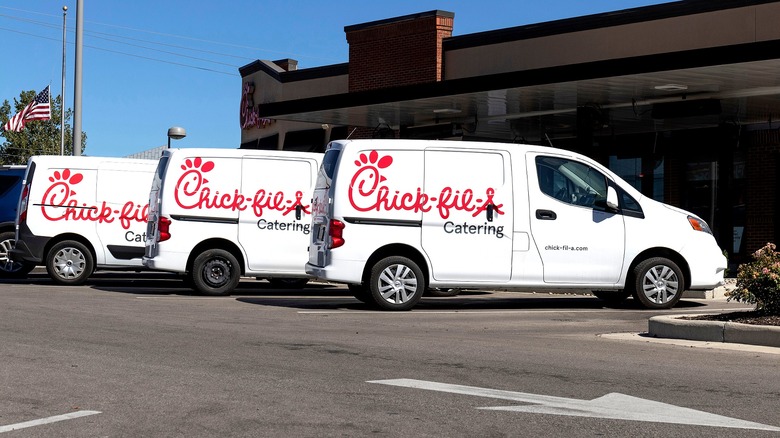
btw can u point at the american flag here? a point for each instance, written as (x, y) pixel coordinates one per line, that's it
(38, 109)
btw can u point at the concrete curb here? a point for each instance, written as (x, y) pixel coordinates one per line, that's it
(713, 331)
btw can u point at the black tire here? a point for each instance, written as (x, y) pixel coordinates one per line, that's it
(69, 263)
(361, 292)
(446, 292)
(396, 283)
(288, 283)
(658, 283)
(8, 267)
(215, 272)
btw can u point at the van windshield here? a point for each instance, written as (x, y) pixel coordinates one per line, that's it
(327, 168)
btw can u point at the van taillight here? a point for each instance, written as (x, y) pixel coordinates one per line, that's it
(23, 207)
(336, 233)
(163, 229)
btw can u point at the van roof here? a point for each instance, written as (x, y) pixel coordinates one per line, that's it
(69, 159)
(232, 153)
(455, 144)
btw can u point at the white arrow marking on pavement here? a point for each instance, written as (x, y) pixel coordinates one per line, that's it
(47, 420)
(614, 406)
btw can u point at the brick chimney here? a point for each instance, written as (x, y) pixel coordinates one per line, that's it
(287, 64)
(398, 51)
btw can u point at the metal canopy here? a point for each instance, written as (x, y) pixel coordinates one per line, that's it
(523, 107)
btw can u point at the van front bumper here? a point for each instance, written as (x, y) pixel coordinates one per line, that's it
(707, 267)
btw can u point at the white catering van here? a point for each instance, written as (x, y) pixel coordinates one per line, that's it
(218, 214)
(393, 218)
(79, 214)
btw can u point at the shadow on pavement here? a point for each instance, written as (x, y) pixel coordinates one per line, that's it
(326, 296)
(466, 301)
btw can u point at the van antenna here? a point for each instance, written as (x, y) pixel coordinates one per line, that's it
(350, 134)
(548, 139)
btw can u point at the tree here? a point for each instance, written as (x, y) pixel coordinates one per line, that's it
(40, 137)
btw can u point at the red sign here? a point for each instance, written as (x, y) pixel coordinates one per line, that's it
(60, 203)
(366, 193)
(192, 192)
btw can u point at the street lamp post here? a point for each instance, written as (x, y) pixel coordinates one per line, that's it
(62, 107)
(176, 133)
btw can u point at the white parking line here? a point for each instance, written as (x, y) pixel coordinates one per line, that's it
(47, 420)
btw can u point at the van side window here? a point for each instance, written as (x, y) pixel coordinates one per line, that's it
(570, 181)
(629, 205)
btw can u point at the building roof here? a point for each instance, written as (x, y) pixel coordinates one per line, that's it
(681, 64)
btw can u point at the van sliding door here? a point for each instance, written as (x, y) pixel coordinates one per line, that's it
(467, 233)
(274, 229)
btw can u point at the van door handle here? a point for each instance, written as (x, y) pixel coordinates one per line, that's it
(298, 210)
(546, 215)
(489, 212)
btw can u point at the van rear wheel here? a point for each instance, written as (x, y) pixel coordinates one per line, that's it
(396, 283)
(658, 283)
(215, 272)
(69, 263)
(8, 267)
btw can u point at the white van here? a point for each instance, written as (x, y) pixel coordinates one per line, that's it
(219, 214)
(393, 218)
(79, 214)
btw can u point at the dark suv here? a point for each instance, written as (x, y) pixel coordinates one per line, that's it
(10, 188)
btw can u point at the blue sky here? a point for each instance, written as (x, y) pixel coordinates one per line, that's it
(149, 65)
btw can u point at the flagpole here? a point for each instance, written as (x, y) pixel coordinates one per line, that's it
(62, 107)
(77, 82)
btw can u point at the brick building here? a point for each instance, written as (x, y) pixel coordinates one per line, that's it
(680, 99)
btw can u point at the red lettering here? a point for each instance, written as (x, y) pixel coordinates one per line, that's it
(132, 212)
(366, 194)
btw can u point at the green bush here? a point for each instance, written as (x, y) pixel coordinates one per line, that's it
(758, 282)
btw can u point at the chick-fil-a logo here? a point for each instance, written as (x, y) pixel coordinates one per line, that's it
(192, 192)
(60, 203)
(367, 193)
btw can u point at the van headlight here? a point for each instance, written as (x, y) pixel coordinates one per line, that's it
(699, 225)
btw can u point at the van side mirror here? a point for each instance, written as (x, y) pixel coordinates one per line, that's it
(611, 203)
(612, 199)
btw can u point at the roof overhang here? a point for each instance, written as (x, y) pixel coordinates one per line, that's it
(619, 93)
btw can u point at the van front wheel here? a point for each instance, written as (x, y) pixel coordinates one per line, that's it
(69, 263)
(658, 283)
(215, 272)
(396, 283)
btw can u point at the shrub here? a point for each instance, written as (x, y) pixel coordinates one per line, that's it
(758, 282)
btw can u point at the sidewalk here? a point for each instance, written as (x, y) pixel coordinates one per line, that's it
(676, 327)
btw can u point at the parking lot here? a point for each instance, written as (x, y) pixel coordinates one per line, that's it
(133, 354)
